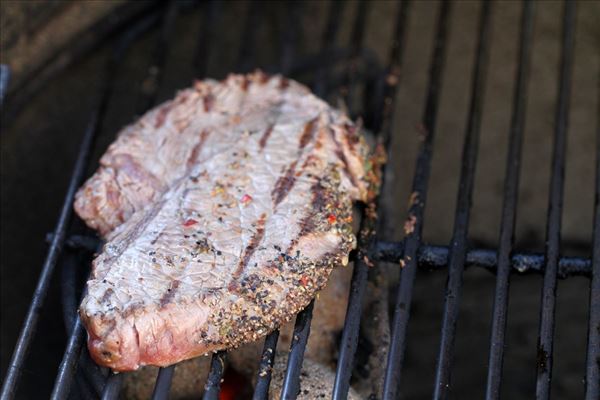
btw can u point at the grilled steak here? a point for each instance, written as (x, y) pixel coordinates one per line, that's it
(151, 154)
(225, 210)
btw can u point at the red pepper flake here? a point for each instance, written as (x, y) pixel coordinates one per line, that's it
(190, 222)
(246, 199)
(331, 218)
(304, 281)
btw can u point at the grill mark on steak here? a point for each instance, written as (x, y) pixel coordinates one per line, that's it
(319, 201)
(196, 150)
(126, 163)
(114, 252)
(209, 102)
(339, 152)
(131, 310)
(276, 113)
(309, 223)
(106, 296)
(308, 133)
(170, 293)
(263, 140)
(251, 248)
(245, 83)
(158, 236)
(161, 116)
(112, 197)
(284, 184)
(284, 83)
(263, 78)
(352, 137)
(309, 160)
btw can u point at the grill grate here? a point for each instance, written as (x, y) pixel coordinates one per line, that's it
(420, 183)
(411, 253)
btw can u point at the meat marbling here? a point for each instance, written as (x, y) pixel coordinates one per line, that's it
(225, 211)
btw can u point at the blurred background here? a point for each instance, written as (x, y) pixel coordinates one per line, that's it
(57, 52)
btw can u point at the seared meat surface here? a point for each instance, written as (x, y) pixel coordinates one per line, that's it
(225, 211)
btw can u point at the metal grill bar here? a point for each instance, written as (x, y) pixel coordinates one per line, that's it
(350, 332)
(545, 341)
(357, 36)
(592, 376)
(148, 97)
(291, 381)
(420, 185)
(290, 36)
(210, 15)
(93, 375)
(289, 43)
(88, 376)
(255, 12)
(217, 366)
(68, 366)
(263, 379)
(382, 122)
(163, 383)
(336, 9)
(69, 363)
(86, 391)
(349, 341)
(69, 285)
(165, 374)
(151, 83)
(58, 239)
(509, 210)
(213, 383)
(458, 246)
(436, 257)
(112, 387)
(368, 226)
(4, 79)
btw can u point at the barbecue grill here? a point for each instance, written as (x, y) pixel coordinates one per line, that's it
(354, 74)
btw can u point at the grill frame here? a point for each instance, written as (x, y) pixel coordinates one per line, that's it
(411, 251)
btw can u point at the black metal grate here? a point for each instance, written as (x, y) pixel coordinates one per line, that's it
(380, 91)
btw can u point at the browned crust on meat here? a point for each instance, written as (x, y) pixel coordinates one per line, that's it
(251, 248)
(238, 324)
(161, 116)
(245, 83)
(309, 133)
(265, 137)
(339, 152)
(284, 83)
(319, 200)
(196, 150)
(284, 184)
(239, 313)
(169, 294)
(208, 101)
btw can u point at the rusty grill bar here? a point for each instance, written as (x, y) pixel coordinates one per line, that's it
(410, 252)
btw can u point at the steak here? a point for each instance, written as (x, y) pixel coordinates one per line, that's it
(225, 210)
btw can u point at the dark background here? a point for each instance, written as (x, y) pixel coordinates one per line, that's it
(38, 150)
